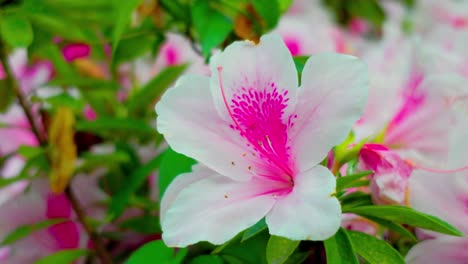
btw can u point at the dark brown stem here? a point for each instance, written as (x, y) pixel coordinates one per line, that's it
(94, 237)
(22, 101)
(97, 241)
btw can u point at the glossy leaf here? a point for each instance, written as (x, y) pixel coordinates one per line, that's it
(254, 230)
(406, 215)
(339, 249)
(279, 249)
(268, 11)
(374, 250)
(211, 25)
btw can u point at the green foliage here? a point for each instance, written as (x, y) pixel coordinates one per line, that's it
(406, 215)
(136, 179)
(26, 230)
(374, 250)
(142, 101)
(268, 11)
(172, 164)
(156, 252)
(212, 26)
(339, 249)
(279, 249)
(16, 30)
(63, 257)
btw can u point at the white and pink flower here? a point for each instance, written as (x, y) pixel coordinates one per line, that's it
(259, 140)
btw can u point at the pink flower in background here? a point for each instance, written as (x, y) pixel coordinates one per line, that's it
(389, 182)
(36, 205)
(259, 140)
(16, 131)
(30, 76)
(444, 195)
(75, 51)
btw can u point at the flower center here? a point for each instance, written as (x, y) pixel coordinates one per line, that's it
(257, 115)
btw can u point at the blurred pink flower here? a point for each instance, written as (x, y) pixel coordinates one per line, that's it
(75, 51)
(444, 195)
(259, 140)
(389, 182)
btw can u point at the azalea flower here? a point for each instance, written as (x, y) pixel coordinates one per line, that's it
(259, 140)
(36, 204)
(389, 182)
(445, 196)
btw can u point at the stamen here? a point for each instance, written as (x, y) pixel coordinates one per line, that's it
(418, 166)
(220, 69)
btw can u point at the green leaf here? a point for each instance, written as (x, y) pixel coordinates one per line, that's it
(393, 226)
(207, 259)
(172, 164)
(254, 230)
(136, 179)
(84, 83)
(144, 98)
(339, 249)
(16, 30)
(63, 257)
(107, 126)
(406, 215)
(284, 5)
(211, 25)
(146, 224)
(124, 10)
(374, 250)
(58, 25)
(7, 94)
(355, 199)
(279, 249)
(26, 230)
(268, 10)
(350, 181)
(29, 152)
(157, 252)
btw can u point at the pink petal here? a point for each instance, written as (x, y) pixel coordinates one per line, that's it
(245, 67)
(310, 211)
(447, 250)
(191, 125)
(331, 98)
(211, 208)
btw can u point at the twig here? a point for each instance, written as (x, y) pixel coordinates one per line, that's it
(97, 241)
(95, 238)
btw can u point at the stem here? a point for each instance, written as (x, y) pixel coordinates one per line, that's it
(97, 241)
(95, 238)
(22, 101)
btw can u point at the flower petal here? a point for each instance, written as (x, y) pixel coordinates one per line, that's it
(188, 120)
(212, 208)
(309, 212)
(420, 133)
(267, 66)
(442, 195)
(447, 250)
(331, 98)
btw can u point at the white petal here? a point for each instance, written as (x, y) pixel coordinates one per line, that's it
(257, 66)
(212, 209)
(188, 120)
(447, 250)
(309, 212)
(444, 195)
(331, 98)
